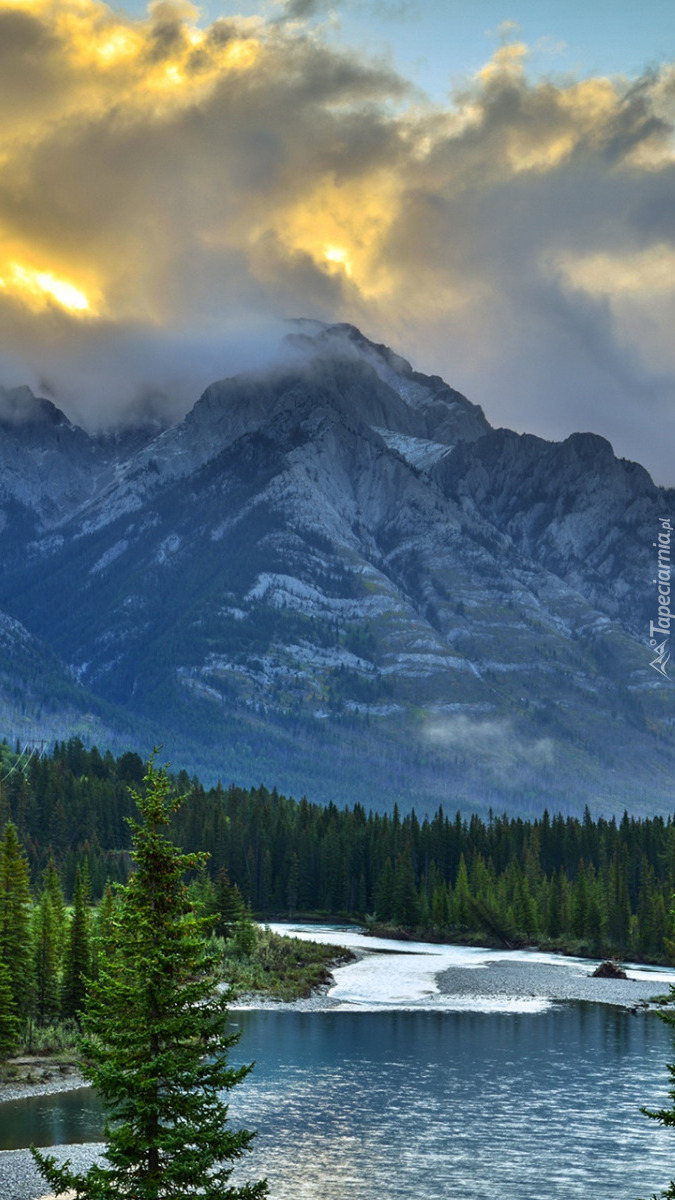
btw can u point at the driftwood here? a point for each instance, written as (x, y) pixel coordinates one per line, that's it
(609, 970)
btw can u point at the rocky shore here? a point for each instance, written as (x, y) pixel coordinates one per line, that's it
(38, 1076)
(21, 1180)
(520, 977)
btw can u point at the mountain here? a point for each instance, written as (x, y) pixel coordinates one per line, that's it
(336, 576)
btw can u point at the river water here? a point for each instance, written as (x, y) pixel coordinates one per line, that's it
(401, 1090)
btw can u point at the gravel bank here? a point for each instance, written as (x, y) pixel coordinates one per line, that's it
(569, 981)
(39, 1077)
(20, 1178)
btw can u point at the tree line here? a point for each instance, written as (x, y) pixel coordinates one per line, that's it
(598, 886)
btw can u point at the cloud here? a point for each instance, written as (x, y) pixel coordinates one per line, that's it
(170, 192)
(295, 10)
(494, 742)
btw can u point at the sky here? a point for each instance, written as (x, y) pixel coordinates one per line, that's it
(487, 187)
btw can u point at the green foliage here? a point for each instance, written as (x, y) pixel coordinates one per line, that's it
(156, 1037)
(77, 958)
(599, 888)
(15, 901)
(282, 968)
(59, 1037)
(9, 1022)
(46, 942)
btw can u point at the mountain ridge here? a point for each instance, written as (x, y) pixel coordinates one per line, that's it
(340, 557)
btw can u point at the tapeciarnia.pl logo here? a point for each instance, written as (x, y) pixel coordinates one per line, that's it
(660, 629)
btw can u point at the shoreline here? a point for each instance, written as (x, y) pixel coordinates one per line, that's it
(491, 985)
(39, 1076)
(516, 975)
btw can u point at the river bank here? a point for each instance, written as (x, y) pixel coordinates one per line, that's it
(38, 1076)
(389, 976)
(439, 975)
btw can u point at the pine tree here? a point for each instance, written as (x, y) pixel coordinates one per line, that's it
(156, 1040)
(229, 905)
(77, 957)
(384, 893)
(45, 941)
(15, 905)
(406, 900)
(461, 905)
(9, 1022)
(102, 940)
(51, 884)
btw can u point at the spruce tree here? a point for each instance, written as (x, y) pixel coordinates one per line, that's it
(77, 957)
(15, 908)
(45, 940)
(102, 940)
(229, 905)
(155, 1042)
(51, 884)
(10, 1031)
(461, 901)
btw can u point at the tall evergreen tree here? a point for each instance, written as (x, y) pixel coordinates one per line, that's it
(156, 1038)
(102, 939)
(461, 902)
(51, 884)
(47, 960)
(15, 906)
(229, 905)
(77, 957)
(406, 900)
(10, 1026)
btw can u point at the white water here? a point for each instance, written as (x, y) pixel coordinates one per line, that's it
(403, 975)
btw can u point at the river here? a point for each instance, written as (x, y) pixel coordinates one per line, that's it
(431, 1073)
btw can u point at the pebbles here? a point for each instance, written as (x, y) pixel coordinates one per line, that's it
(569, 980)
(20, 1178)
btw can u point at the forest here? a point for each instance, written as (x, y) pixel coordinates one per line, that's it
(597, 887)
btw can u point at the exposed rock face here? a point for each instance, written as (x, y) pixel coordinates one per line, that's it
(339, 577)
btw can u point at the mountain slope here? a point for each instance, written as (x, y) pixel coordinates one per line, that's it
(337, 576)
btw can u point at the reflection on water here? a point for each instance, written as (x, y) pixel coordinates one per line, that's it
(74, 1116)
(462, 1105)
(354, 1106)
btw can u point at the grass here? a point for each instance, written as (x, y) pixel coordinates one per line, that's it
(279, 967)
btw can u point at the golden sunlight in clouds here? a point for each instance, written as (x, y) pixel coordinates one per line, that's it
(525, 156)
(241, 55)
(38, 288)
(166, 179)
(507, 60)
(345, 227)
(119, 44)
(339, 256)
(117, 62)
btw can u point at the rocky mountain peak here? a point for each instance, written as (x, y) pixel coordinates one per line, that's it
(335, 569)
(20, 407)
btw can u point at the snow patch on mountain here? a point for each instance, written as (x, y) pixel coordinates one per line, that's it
(169, 546)
(109, 556)
(419, 452)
